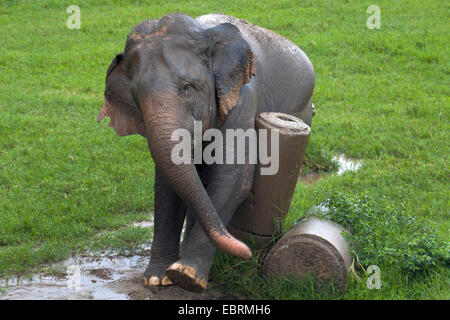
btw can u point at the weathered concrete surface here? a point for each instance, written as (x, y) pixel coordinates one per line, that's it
(262, 213)
(314, 248)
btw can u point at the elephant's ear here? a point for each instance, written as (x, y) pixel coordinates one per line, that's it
(232, 63)
(119, 105)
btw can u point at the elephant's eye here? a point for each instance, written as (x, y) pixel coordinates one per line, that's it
(187, 89)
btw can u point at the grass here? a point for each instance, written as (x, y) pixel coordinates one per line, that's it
(381, 96)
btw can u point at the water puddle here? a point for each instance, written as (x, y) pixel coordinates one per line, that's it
(102, 276)
(347, 164)
(344, 164)
(82, 277)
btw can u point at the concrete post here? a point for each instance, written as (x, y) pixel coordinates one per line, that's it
(263, 212)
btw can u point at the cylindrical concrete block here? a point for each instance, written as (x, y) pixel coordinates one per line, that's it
(263, 212)
(314, 248)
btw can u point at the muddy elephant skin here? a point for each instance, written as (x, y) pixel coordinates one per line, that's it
(223, 72)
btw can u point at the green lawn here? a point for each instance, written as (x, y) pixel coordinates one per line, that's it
(381, 96)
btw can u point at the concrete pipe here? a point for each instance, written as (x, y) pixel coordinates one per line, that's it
(314, 248)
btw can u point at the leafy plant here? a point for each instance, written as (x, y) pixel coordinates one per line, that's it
(384, 235)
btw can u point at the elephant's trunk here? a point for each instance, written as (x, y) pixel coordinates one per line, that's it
(184, 179)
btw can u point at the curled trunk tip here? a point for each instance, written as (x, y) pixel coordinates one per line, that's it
(231, 245)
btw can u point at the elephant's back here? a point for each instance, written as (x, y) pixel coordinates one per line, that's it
(264, 39)
(285, 74)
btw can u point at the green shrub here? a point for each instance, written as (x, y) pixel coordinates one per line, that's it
(383, 235)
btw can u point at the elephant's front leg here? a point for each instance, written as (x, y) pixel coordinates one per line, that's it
(169, 216)
(227, 186)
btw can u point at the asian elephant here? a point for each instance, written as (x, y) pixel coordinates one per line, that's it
(219, 70)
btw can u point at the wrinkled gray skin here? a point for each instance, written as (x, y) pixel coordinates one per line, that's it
(219, 70)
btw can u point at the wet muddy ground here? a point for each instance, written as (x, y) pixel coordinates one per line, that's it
(100, 276)
(103, 276)
(110, 275)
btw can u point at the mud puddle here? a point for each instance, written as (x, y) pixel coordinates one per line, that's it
(81, 277)
(100, 276)
(347, 164)
(344, 164)
(103, 277)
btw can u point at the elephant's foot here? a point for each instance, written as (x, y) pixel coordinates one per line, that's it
(156, 281)
(187, 275)
(154, 275)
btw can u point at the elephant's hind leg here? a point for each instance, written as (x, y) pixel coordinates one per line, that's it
(168, 222)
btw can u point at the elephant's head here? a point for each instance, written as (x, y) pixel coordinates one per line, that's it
(171, 73)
